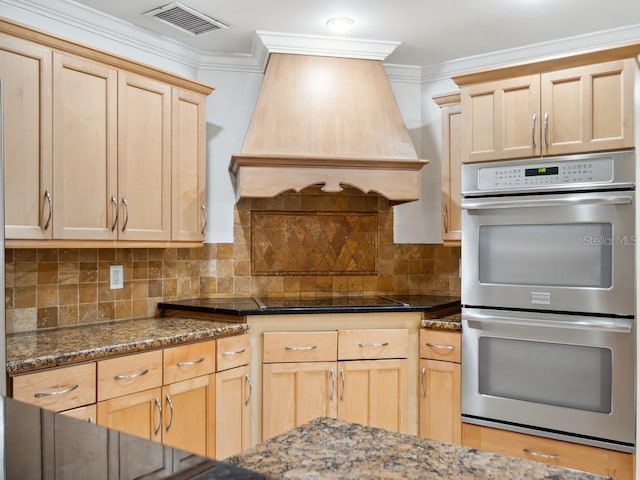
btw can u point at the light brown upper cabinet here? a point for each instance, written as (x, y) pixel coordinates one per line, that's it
(25, 69)
(85, 149)
(571, 110)
(98, 148)
(451, 161)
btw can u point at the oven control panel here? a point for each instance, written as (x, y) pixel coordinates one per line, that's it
(541, 174)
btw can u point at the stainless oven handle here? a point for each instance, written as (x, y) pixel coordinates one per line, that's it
(618, 325)
(567, 200)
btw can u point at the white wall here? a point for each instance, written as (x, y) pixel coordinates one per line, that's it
(229, 110)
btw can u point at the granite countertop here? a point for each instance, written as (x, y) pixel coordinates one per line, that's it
(332, 449)
(241, 306)
(30, 351)
(449, 322)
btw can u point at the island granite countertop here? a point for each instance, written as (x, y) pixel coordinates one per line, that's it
(331, 449)
(28, 351)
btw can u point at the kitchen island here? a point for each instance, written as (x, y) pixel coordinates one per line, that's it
(40, 444)
(330, 449)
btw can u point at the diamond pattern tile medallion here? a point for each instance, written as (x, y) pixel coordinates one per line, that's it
(312, 243)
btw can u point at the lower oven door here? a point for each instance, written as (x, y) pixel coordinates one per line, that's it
(562, 376)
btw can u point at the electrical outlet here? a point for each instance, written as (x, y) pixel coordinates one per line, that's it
(116, 277)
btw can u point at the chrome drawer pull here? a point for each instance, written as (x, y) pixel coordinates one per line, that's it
(188, 364)
(47, 196)
(248, 382)
(441, 347)
(230, 354)
(540, 455)
(114, 202)
(53, 394)
(310, 347)
(170, 403)
(333, 384)
(423, 390)
(131, 375)
(384, 344)
(159, 407)
(126, 211)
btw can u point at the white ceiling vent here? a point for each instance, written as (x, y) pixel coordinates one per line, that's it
(186, 19)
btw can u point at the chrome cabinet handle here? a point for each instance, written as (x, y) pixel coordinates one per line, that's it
(204, 213)
(159, 407)
(333, 384)
(90, 419)
(248, 381)
(342, 382)
(126, 211)
(230, 354)
(170, 403)
(55, 393)
(190, 363)
(114, 202)
(384, 344)
(131, 375)
(533, 130)
(47, 196)
(546, 129)
(423, 388)
(440, 347)
(445, 218)
(528, 451)
(310, 347)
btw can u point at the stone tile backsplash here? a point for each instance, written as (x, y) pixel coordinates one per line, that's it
(59, 287)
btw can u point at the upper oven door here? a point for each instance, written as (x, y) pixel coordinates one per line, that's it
(569, 252)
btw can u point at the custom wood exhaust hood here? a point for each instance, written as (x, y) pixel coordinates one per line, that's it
(326, 121)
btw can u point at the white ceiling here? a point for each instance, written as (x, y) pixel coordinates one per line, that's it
(430, 31)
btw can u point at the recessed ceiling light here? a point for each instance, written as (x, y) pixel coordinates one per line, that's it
(340, 24)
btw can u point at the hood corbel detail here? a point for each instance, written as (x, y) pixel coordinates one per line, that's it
(326, 121)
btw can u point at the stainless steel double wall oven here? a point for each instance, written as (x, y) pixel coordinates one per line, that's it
(548, 294)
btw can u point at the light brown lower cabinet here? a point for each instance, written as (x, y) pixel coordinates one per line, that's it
(138, 414)
(233, 394)
(440, 385)
(294, 393)
(374, 392)
(188, 418)
(613, 464)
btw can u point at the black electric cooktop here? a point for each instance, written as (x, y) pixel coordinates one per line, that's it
(269, 305)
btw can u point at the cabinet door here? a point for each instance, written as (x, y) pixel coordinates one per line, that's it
(589, 108)
(25, 69)
(294, 393)
(144, 158)
(451, 179)
(188, 420)
(501, 119)
(84, 149)
(440, 401)
(374, 392)
(233, 394)
(188, 144)
(138, 414)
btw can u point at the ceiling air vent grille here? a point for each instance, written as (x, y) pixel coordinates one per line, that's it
(186, 19)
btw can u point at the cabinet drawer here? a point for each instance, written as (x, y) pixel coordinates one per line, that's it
(58, 388)
(440, 345)
(133, 373)
(300, 346)
(373, 344)
(232, 352)
(565, 454)
(189, 361)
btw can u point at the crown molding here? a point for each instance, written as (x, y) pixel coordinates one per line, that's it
(564, 46)
(403, 73)
(326, 46)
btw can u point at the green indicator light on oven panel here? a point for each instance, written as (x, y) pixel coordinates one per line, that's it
(542, 170)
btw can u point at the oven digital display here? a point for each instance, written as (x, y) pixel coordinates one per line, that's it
(534, 172)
